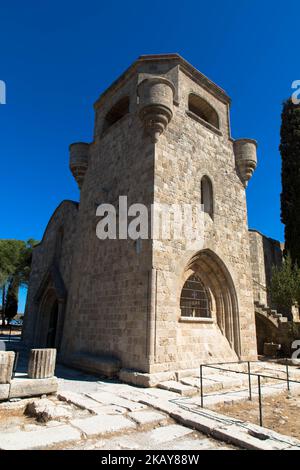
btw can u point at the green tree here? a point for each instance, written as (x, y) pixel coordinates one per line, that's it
(9, 258)
(15, 262)
(285, 285)
(290, 175)
(297, 285)
(22, 268)
(11, 301)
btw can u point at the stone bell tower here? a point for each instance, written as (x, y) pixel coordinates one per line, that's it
(161, 137)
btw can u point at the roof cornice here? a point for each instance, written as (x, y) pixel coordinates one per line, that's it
(185, 66)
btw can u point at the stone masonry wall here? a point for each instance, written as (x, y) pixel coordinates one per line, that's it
(265, 253)
(185, 152)
(64, 217)
(108, 301)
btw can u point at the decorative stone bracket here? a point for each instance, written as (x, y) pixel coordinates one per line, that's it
(156, 96)
(246, 158)
(79, 156)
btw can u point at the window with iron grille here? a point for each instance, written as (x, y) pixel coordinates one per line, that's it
(194, 300)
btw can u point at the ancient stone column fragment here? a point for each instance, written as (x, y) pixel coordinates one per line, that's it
(6, 366)
(41, 363)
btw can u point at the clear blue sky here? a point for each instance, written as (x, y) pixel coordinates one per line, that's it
(57, 57)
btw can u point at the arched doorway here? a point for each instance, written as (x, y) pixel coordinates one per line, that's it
(52, 327)
(51, 298)
(50, 321)
(214, 295)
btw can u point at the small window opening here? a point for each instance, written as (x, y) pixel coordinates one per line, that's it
(204, 110)
(119, 110)
(207, 196)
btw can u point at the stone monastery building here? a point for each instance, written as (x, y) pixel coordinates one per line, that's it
(143, 307)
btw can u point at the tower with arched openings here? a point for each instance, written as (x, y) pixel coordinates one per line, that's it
(161, 137)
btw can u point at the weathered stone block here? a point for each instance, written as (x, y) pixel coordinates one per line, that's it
(145, 418)
(4, 391)
(177, 387)
(6, 366)
(102, 425)
(24, 440)
(44, 410)
(41, 363)
(32, 387)
(145, 380)
(103, 365)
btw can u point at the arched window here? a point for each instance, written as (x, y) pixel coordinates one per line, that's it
(119, 110)
(207, 198)
(194, 300)
(204, 110)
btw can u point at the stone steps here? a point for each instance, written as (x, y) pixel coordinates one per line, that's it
(271, 313)
(215, 383)
(178, 387)
(219, 381)
(190, 386)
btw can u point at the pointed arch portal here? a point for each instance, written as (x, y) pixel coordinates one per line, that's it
(51, 298)
(217, 281)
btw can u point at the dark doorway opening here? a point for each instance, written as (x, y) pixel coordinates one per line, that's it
(51, 336)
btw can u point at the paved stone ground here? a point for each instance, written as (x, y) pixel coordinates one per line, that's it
(168, 437)
(151, 429)
(121, 416)
(116, 419)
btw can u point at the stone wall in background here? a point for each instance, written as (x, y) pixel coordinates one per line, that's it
(265, 253)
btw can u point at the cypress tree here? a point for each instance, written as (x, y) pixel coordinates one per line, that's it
(11, 304)
(290, 176)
